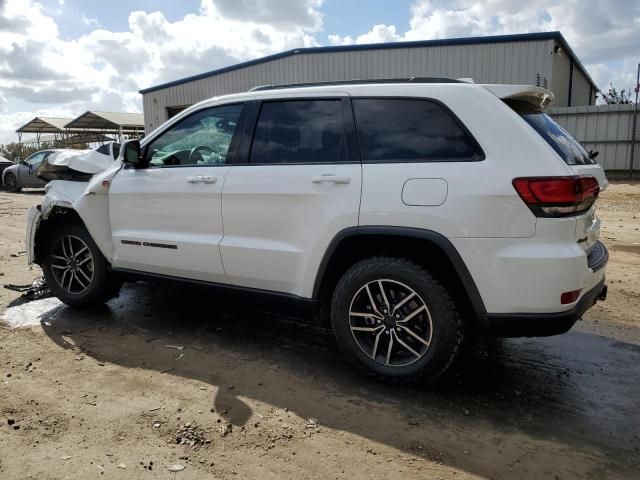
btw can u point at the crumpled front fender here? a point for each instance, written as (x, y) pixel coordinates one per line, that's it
(89, 200)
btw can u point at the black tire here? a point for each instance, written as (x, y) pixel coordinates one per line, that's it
(11, 183)
(440, 325)
(102, 286)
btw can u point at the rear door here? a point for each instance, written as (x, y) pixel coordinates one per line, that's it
(167, 218)
(299, 187)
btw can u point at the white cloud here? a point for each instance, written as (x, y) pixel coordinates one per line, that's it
(88, 21)
(378, 34)
(604, 36)
(105, 69)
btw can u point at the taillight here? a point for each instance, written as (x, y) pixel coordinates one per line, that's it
(557, 196)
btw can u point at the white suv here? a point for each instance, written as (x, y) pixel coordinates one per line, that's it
(412, 211)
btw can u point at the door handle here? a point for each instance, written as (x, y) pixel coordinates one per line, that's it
(330, 178)
(202, 179)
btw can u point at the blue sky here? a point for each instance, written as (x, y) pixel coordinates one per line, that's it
(63, 57)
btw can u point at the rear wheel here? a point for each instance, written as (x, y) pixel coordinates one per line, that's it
(393, 320)
(11, 183)
(75, 269)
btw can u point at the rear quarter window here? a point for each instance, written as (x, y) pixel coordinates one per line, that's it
(567, 147)
(411, 130)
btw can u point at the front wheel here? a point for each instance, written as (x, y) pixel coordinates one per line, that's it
(11, 183)
(75, 269)
(393, 320)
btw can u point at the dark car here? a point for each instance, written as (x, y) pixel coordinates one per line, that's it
(23, 174)
(4, 163)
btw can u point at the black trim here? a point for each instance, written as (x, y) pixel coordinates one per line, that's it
(437, 239)
(478, 157)
(522, 37)
(130, 274)
(541, 324)
(368, 81)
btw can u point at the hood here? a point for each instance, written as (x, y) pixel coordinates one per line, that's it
(77, 165)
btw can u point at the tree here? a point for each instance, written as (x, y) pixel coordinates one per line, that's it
(613, 97)
(15, 151)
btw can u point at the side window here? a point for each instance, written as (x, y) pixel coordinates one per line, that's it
(36, 158)
(300, 131)
(203, 138)
(410, 130)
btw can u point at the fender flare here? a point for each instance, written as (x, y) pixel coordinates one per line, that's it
(407, 232)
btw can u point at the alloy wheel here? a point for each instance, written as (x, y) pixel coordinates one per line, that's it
(72, 264)
(390, 322)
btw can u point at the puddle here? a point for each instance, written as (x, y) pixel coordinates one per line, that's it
(30, 313)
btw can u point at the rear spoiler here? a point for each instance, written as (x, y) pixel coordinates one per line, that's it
(538, 97)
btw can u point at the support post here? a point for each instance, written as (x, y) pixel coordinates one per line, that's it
(634, 125)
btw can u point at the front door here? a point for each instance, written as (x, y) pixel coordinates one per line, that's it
(167, 218)
(299, 186)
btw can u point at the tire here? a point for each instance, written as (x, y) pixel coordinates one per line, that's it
(437, 328)
(88, 281)
(11, 183)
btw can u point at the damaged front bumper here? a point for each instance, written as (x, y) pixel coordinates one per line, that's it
(34, 215)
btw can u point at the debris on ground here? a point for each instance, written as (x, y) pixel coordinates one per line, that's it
(176, 467)
(176, 347)
(37, 289)
(226, 428)
(122, 465)
(191, 435)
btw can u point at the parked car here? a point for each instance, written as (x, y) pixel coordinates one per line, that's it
(23, 174)
(412, 212)
(4, 164)
(36, 170)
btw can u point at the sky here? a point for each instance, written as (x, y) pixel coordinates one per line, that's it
(64, 57)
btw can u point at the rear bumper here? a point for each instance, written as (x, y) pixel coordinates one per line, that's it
(544, 324)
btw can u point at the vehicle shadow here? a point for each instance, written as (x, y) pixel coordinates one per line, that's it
(521, 403)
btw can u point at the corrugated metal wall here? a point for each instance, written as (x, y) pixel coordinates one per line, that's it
(606, 128)
(524, 62)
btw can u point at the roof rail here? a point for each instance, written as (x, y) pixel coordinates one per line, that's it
(357, 82)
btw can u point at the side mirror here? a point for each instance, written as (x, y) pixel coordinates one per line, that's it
(131, 153)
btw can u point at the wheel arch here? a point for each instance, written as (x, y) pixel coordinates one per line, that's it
(58, 215)
(429, 248)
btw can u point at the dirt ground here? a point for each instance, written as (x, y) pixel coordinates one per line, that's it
(251, 392)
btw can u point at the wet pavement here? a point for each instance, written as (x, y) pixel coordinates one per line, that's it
(577, 390)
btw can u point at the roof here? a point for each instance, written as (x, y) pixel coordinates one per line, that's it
(521, 37)
(88, 137)
(107, 121)
(45, 124)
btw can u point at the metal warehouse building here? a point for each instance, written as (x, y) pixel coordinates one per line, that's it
(543, 59)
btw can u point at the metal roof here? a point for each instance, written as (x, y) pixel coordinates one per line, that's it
(75, 138)
(107, 121)
(45, 125)
(521, 37)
